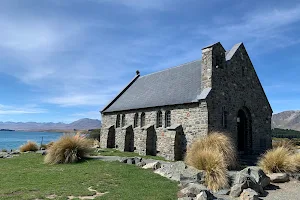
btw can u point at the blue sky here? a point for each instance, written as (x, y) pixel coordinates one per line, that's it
(64, 60)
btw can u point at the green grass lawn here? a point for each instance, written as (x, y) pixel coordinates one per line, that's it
(27, 177)
(114, 152)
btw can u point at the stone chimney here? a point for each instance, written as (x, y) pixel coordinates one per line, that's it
(213, 60)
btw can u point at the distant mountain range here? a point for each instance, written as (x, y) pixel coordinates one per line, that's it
(81, 124)
(287, 120)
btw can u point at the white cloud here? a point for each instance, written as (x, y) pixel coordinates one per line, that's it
(258, 28)
(79, 100)
(16, 110)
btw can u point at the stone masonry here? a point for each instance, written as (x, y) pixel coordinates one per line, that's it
(232, 101)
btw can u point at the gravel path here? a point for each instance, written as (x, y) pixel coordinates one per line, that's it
(284, 191)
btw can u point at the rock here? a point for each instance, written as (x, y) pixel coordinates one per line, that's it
(43, 152)
(192, 175)
(223, 191)
(185, 198)
(123, 159)
(244, 183)
(130, 161)
(205, 195)
(141, 164)
(15, 152)
(279, 177)
(231, 177)
(260, 177)
(154, 165)
(171, 170)
(137, 160)
(249, 194)
(237, 189)
(191, 190)
(295, 176)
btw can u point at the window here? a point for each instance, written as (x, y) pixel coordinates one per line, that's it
(123, 120)
(143, 120)
(159, 119)
(224, 117)
(135, 120)
(168, 118)
(118, 121)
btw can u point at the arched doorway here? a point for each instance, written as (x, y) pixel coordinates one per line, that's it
(151, 141)
(129, 140)
(244, 131)
(111, 137)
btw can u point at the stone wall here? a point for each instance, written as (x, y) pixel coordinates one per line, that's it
(235, 85)
(192, 117)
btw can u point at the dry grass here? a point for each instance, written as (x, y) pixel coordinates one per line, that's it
(68, 149)
(279, 159)
(289, 144)
(213, 163)
(216, 142)
(214, 154)
(29, 146)
(296, 160)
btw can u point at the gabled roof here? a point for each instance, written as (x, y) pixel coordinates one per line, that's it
(177, 85)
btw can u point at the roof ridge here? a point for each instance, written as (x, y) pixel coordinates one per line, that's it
(171, 68)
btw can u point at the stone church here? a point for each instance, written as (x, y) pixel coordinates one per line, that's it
(164, 112)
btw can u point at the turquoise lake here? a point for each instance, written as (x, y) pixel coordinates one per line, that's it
(14, 139)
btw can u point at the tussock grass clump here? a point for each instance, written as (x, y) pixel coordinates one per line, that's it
(47, 146)
(286, 143)
(214, 165)
(68, 149)
(29, 146)
(279, 159)
(215, 142)
(214, 154)
(296, 160)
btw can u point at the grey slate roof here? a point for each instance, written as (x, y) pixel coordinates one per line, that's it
(177, 85)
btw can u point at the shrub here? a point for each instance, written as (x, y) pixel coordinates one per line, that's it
(289, 144)
(296, 160)
(29, 146)
(46, 146)
(214, 154)
(68, 149)
(213, 164)
(216, 142)
(4, 150)
(278, 159)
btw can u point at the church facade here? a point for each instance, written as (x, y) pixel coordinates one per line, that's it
(164, 112)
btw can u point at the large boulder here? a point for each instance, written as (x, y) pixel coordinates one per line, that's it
(279, 177)
(192, 175)
(258, 174)
(205, 195)
(191, 190)
(179, 171)
(172, 170)
(249, 194)
(153, 165)
(244, 183)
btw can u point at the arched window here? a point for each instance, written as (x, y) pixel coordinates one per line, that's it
(143, 120)
(159, 119)
(168, 118)
(135, 120)
(123, 120)
(118, 121)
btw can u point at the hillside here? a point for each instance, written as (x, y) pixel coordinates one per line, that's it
(287, 120)
(81, 124)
